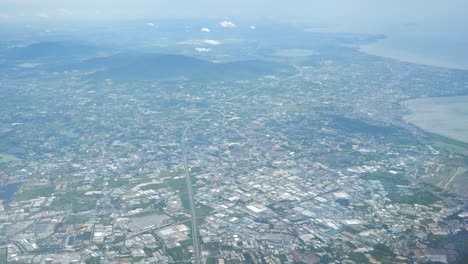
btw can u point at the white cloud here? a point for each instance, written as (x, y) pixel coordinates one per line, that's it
(211, 42)
(199, 42)
(149, 24)
(205, 30)
(65, 12)
(227, 24)
(43, 15)
(4, 16)
(253, 27)
(189, 42)
(202, 50)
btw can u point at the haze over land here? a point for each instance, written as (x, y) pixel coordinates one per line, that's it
(429, 32)
(233, 132)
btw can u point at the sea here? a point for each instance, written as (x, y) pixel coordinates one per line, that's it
(442, 44)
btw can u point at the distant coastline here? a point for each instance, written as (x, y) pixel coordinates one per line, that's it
(397, 49)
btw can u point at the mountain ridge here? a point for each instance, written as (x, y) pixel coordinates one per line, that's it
(151, 66)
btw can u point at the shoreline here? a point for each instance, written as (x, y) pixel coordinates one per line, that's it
(430, 114)
(378, 49)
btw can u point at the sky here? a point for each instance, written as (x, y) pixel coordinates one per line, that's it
(329, 11)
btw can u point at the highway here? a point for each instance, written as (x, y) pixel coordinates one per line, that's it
(195, 239)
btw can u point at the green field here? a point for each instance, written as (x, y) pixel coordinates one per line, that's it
(5, 158)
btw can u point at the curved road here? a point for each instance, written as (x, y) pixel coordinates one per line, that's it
(196, 245)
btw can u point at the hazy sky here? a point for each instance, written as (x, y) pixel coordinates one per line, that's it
(442, 17)
(440, 25)
(324, 10)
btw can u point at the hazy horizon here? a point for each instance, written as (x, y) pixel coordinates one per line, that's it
(334, 11)
(430, 32)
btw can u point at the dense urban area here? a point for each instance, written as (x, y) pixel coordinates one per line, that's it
(304, 157)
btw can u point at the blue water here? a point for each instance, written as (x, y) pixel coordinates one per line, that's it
(7, 191)
(428, 42)
(436, 50)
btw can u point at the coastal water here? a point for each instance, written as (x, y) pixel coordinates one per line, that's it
(440, 43)
(436, 51)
